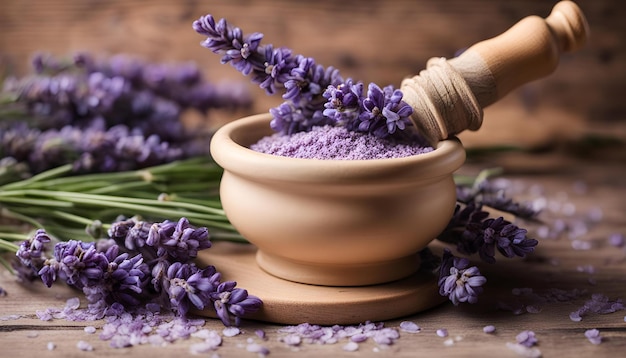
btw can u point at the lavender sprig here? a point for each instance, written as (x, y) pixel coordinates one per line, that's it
(111, 274)
(314, 95)
(108, 115)
(473, 231)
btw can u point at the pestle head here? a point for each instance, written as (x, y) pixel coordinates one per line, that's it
(569, 26)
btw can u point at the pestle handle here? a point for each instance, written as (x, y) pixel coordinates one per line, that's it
(449, 96)
(527, 51)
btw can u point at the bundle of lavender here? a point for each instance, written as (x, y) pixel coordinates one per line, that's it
(109, 115)
(95, 159)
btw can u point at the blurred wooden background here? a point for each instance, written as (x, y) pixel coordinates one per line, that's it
(370, 40)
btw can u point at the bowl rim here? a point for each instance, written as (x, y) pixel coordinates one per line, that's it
(229, 148)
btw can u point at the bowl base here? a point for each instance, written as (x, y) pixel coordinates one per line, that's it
(338, 275)
(287, 302)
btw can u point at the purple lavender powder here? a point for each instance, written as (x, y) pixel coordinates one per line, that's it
(328, 142)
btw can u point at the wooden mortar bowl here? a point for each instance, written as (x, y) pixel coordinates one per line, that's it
(334, 222)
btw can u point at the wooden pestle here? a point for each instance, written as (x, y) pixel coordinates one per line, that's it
(448, 96)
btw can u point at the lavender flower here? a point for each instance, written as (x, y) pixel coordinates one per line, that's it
(304, 83)
(233, 303)
(458, 281)
(510, 240)
(49, 271)
(113, 115)
(125, 277)
(277, 66)
(492, 195)
(30, 251)
(384, 111)
(106, 277)
(289, 119)
(178, 240)
(188, 285)
(131, 233)
(314, 95)
(473, 232)
(344, 102)
(80, 264)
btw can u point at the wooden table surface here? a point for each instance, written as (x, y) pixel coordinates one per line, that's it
(575, 189)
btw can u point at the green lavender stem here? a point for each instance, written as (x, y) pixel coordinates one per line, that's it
(65, 204)
(6, 245)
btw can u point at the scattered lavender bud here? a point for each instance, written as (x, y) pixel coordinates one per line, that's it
(90, 329)
(231, 331)
(211, 341)
(204, 334)
(11, 317)
(359, 338)
(568, 209)
(448, 342)
(543, 232)
(260, 333)
(386, 336)
(32, 334)
(581, 245)
(72, 303)
(51, 346)
(351, 346)
(257, 348)
(575, 316)
(616, 240)
(292, 340)
(595, 214)
(577, 229)
(593, 335)
(586, 268)
(599, 304)
(84, 346)
(201, 347)
(522, 350)
(411, 327)
(526, 338)
(44, 315)
(442, 332)
(533, 309)
(489, 329)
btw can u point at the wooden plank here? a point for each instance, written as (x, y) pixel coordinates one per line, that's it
(586, 185)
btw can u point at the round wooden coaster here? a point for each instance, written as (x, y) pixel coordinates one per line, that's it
(287, 302)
